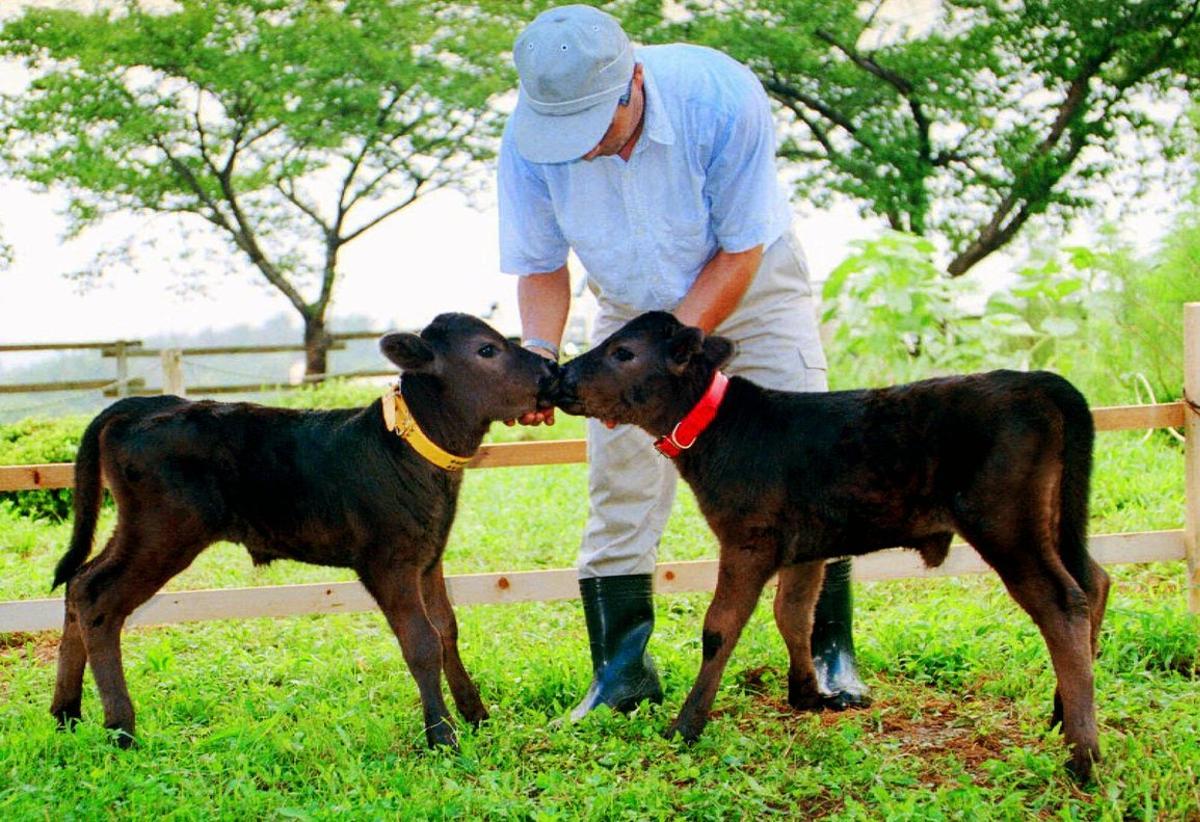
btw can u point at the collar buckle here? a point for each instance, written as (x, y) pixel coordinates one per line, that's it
(696, 420)
(673, 438)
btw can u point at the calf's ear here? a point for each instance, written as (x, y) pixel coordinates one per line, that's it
(686, 343)
(719, 350)
(409, 352)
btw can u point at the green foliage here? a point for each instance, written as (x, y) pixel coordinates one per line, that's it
(896, 317)
(964, 120)
(35, 441)
(1104, 317)
(895, 314)
(1139, 330)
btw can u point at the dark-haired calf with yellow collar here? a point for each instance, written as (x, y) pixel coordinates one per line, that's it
(373, 489)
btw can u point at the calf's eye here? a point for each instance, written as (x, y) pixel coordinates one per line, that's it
(622, 354)
(488, 351)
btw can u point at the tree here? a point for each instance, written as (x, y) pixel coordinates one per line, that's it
(997, 113)
(289, 127)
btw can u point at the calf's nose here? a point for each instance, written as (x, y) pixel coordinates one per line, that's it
(548, 383)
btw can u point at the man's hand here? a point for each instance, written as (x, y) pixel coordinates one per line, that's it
(542, 415)
(718, 288)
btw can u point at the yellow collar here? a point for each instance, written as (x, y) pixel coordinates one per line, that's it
(398, 418)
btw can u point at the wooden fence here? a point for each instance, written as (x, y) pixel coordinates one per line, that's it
(672, 577)
(122, 351)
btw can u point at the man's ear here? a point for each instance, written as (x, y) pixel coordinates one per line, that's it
(685, 344)
(719, 350)
(409, 352)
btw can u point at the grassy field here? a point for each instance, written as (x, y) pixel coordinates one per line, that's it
(316, 717)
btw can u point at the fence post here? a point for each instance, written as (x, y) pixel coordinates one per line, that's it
(1191, 392)
(122, 369)
(172, 372)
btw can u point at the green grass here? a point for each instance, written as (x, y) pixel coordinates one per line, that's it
(317, 717)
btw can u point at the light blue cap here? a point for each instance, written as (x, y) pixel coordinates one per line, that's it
(574, 62)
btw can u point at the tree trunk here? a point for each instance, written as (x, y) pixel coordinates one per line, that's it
(316, 348)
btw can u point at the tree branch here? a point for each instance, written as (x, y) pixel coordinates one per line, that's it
(242, 234)
(388, 213)
(778, 87)
(290, 193)
(901, 85)
(368, 142)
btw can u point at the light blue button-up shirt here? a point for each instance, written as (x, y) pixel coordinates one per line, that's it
(702, 177)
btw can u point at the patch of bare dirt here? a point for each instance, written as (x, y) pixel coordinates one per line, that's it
(44, 645)
(929, 730)
(940, 729)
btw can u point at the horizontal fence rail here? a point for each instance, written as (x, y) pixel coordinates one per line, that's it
(537, 586)
(53, 475)
(122, 385)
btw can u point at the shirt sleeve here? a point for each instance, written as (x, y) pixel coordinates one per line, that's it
(530, 239)
(740, 178)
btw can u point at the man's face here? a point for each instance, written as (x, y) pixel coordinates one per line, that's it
(625, 123)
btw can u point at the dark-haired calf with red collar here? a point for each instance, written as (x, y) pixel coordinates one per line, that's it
(788, 480)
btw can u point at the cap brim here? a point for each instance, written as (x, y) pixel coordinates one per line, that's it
(544, 138)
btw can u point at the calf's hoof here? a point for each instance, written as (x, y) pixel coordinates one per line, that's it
(475, 715)
(804, 695)
(807, 696)
(441, 735)
(1080, 764)
(122, 737)
(67, 718)
(687, 729)
(1080, 769)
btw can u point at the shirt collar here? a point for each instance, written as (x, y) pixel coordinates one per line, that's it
(657, 123)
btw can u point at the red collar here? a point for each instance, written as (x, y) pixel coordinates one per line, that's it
(683, 435)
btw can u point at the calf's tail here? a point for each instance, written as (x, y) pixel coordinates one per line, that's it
(1078, 436)
(86, 502)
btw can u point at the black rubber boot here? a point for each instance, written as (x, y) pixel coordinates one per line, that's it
(620, 616)
(833, 642)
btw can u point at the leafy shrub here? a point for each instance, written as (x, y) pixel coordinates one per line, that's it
(898, 317)
(34, 441)
(1140, 331)
(1104, 317)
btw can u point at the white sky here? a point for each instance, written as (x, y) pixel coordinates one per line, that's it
(440, 254)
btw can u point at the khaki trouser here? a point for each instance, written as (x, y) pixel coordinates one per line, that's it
(631, 486)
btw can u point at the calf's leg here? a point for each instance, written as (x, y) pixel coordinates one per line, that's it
(742, 572)
(68, 685)
(1096, 587)
(1059, 608)
(1025, 555)
(397, 589)
(101, 598)
(795, 599)
(463, 689)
